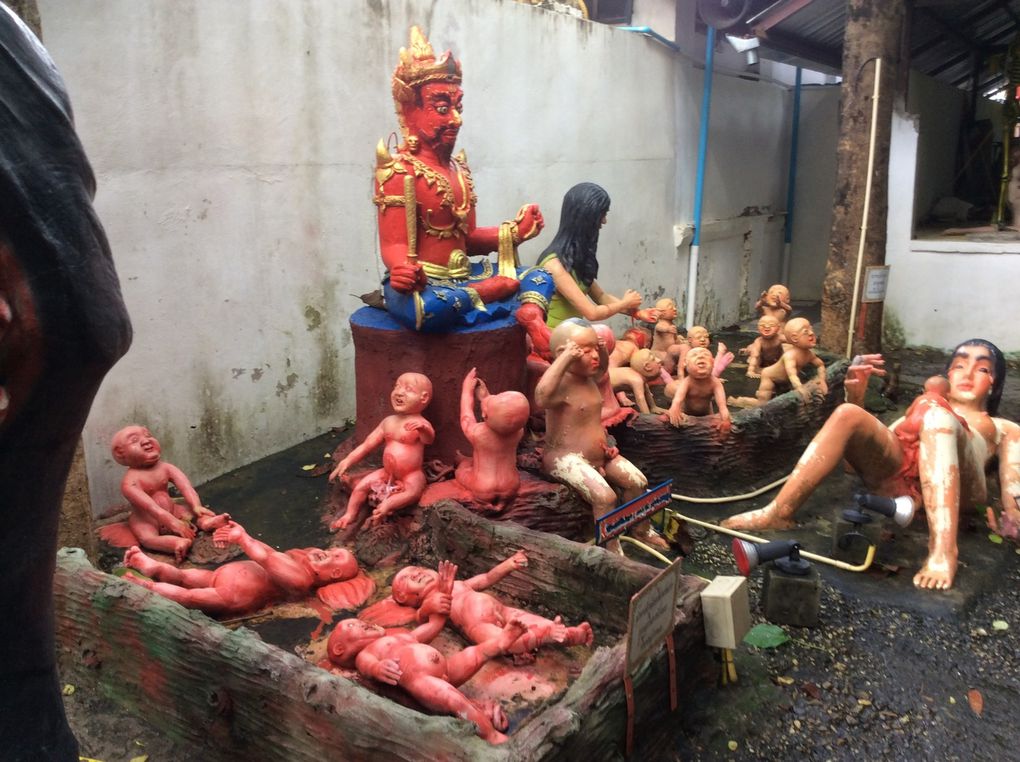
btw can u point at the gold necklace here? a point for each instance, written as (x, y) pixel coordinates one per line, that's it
(438, 179)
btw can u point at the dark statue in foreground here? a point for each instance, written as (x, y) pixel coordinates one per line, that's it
(62, 326)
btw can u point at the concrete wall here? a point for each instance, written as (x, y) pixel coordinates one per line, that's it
(234, 147)
(815, 190)
(943, 291)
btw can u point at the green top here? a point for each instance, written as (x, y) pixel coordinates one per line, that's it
(559, 308)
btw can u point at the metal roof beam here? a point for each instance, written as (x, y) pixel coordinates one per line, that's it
(776, 14)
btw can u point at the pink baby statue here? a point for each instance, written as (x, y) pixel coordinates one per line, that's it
(666, 342)
(697, 391)
(613, 412)
(767, 349)
(401, 480)
(491, 473)
(698, 336)
(404, 659)
(577, 450)
(145, 486)
(241, 587)
(644, 368)
(797, 355)
(775, 302)
(476, 615)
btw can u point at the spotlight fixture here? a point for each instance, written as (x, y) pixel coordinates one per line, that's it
(899, 509)
(784, 553)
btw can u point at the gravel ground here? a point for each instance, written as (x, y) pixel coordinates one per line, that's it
(872, 681)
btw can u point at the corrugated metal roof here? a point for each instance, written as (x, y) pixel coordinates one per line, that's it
(948, 38)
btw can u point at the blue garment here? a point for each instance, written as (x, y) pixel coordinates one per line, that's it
(447, 305)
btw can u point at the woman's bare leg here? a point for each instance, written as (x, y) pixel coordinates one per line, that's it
(852, 433)
(946, 460)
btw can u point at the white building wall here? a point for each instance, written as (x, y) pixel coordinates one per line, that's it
(941, 292)
(234, 148)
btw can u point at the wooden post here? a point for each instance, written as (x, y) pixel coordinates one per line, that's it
(873, 31)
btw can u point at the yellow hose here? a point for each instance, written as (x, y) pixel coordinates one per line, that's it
(647, 549)
(868, 558)
(731, 498)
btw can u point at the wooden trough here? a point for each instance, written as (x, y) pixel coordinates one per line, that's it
(232, 696)
(762, 446)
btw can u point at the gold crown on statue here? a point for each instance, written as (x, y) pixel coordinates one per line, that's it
(419, 65)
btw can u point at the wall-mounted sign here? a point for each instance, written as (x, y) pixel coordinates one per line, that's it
(876, 280)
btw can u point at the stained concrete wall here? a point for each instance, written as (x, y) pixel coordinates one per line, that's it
(234, 147)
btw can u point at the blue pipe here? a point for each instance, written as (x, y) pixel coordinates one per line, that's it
(706, 103)
(791, 185)
(699, 188)
(649, 32)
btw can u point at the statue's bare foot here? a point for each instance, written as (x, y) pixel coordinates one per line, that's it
(181, 547)
(497, 287)
(135, 558)
(937, 573)
(341, 523)
(512, 630)
(650, 537)
(212, 523)
(555, 631)
(140, 581)
(495, 714)
(581, 635)
(768, 517)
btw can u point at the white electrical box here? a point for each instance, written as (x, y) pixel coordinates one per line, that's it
(727, 611)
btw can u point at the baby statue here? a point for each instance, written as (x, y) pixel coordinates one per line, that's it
(401, 480)
(644, 368)
(145, 486)
(577, 450)
(698, 336)
(798, 355)
(775, 302)
(767, 349)
(242, 587)
(613, 412)
(402, 658)
(666, 343)
(491, 473)
(631, 341)
(698, 389)
(480, 616)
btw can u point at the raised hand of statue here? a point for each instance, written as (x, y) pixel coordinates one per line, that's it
(647, 315)
(631, 300)
(519, 560)
(406, 277)
(722, 425)
(572, 350)
(529, 222)
(862, 367)
(229, 533)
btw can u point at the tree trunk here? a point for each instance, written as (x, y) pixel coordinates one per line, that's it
(873, 31)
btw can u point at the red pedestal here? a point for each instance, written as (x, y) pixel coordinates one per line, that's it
(384, 350)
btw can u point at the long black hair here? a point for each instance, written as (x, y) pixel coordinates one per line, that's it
(998, 371)
(577, 240)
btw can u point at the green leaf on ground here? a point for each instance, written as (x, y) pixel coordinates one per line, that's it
(992, 537)
(1000, 624)
(766, 636)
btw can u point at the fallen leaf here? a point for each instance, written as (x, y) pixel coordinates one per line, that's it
(766, 636)
(976, 701)
(995, 538)
(811, 690)
(1000, 624)
(310, 466)
(143, 758)
(732, 745)
(863, 702)
(952, 700)
(783, 680)
(68, 689)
